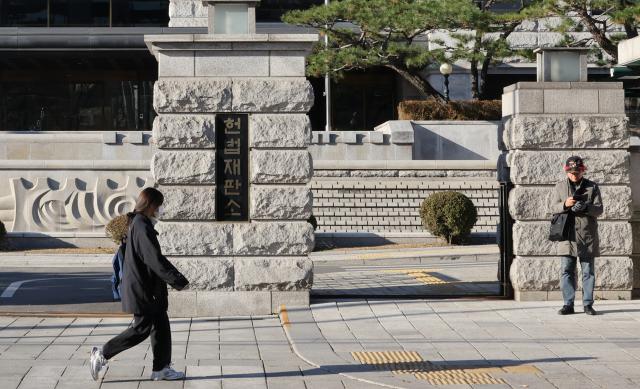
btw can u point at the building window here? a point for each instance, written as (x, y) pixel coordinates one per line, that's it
(84, 13)
(272, 10)
(76, 106)
(139, 13)
(77, 91)
(79, 13)
(27, 13)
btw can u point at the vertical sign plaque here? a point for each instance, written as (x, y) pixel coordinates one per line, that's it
(232, 167)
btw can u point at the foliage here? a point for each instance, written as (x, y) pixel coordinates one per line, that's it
(484, 42)
(116, 229)
(381, 33)
(3, 237)
(431, 109)
(313, 221)
(450, 215)
(392, 33)
(594, 16)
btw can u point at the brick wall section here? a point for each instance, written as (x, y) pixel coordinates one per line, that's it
(391, 204)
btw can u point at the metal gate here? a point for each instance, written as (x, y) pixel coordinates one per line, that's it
(505, 241)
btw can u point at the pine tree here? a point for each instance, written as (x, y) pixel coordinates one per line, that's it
(484, 41)
(596, 16)
(393, 34)
(387, 33)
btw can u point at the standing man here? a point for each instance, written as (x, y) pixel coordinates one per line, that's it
(581, 199)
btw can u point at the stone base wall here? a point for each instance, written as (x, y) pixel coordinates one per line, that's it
(219, 303)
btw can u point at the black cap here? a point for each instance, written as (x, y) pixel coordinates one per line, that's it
(574, 164)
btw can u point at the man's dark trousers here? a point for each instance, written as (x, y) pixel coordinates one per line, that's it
(156, 325)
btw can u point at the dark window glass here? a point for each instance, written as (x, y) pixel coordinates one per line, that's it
(23, 13)
(77, 90)
(362, 100)
(76, 106)
(79, 13)
(272, 10)
(139, 13)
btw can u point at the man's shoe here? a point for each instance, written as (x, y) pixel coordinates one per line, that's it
(566, 310)
(588, 309)
(98, 361)
(167, 374)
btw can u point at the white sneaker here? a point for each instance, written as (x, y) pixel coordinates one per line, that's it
(97, 362)
(167, 374)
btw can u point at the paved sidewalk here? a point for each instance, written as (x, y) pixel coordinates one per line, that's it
(435, 278)
(347, 344)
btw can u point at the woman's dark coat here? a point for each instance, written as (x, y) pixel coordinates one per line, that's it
(146, 271)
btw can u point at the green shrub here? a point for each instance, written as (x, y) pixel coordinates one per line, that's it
(3, 237)
(312, 220)
(449, 215)
(116, 229)
(432, 109)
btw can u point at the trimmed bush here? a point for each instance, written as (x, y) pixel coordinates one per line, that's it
(432, 109)
(116, 229)
(449, 215)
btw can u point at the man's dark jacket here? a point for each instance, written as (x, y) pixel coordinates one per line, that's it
(146, 271)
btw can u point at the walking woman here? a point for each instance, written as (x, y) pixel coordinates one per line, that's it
(146, 273)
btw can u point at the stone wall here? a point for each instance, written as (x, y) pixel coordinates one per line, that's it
(62, 188)
(545, 123)
(369, 204)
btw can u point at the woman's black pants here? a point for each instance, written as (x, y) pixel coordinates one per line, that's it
(156, 325)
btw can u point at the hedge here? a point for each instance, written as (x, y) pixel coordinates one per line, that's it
(432, 109)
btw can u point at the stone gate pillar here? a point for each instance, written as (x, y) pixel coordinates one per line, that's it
(232, 136)
(544, 124)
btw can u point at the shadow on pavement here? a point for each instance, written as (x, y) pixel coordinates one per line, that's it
(441, 366)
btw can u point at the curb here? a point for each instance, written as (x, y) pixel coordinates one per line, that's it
(406, 260)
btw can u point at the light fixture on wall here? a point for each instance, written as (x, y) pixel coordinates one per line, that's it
(231, 16)
(561, 64)
(446, 69)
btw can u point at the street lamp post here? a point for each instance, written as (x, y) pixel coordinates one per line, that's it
(446, 69)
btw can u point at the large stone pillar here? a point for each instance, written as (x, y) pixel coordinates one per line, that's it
(544, 124)
(236, 267)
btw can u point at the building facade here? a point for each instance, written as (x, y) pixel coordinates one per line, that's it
(76, 114)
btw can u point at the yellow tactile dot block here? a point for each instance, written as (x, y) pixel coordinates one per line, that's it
(410, 362)
(424, 276)
(386, 357)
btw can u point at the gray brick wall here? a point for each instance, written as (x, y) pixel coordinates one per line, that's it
(391, 204)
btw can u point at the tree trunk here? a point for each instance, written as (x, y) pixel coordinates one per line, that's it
(422, 85)
(475, 80)
(631, 30)
(484, 72)
(598, 35)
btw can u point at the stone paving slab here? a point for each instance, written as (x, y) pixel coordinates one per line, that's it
(436, 278)
(461, 344)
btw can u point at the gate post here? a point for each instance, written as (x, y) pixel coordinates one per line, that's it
(232, 159)
(545, 123)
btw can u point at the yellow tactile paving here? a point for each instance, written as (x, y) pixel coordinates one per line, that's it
(424, 276)
(410, 362)
(386, 357)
